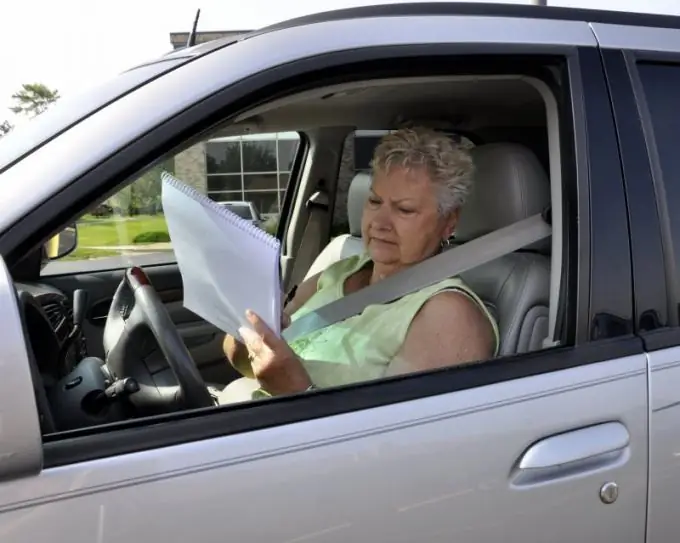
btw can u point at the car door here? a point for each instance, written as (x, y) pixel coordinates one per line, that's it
(543, 446)
(644, 79)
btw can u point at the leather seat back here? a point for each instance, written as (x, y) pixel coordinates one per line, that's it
(346, 244)
(510, 185)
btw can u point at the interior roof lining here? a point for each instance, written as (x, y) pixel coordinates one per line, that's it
(285, 113)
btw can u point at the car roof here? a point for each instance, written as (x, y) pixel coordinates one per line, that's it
(480, 9)
(449, 8)
(61, 117)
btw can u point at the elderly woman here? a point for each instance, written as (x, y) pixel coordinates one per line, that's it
(421, 179)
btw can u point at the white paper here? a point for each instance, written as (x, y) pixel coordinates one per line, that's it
(227, 265)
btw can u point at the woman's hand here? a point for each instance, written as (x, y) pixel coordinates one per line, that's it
(237, 354)
(274, 364)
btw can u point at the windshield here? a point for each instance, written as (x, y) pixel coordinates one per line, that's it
(30, 135)
(68, 111)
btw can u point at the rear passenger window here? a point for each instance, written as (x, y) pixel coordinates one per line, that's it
(661, 85)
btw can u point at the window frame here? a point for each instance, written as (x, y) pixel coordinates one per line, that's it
(175, 428)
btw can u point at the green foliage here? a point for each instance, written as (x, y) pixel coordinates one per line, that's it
(271, 225)
(143, 196)
(33, 99)
(151, 237)
(116, 231)
(5, 128)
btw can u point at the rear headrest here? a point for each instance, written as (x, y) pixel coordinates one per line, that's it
(356, 198)
(510, 185)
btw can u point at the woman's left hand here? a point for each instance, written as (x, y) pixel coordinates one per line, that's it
(278, 369)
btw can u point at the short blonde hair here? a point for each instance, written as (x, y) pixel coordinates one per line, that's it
(449, 166)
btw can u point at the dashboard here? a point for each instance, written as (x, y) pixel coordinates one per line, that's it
(50, 322)
(76, 390)
(69, 388)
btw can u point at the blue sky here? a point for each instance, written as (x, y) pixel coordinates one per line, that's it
(72, 44)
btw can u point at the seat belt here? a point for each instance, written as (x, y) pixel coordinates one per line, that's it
(317, 205)
(428, 272)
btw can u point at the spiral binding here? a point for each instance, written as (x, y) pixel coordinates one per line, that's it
(231, 217)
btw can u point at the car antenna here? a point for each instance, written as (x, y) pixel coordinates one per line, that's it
(192, 35)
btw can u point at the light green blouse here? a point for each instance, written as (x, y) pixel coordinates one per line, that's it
(361, 348)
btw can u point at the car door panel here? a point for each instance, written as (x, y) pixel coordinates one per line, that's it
(505, 462)
(645, 83)
(203, 339)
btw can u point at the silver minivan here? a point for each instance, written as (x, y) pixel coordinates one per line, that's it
(108, 427)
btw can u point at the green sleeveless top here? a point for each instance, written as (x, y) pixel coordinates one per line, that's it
(361, 348)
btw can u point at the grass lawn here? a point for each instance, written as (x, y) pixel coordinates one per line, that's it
(111, 232)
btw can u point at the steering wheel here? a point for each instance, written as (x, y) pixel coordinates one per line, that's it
(136, 308)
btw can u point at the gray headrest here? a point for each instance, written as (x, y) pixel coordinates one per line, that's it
(356, 198)
(510, 185)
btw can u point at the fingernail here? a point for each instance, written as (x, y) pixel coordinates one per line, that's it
(249, 314)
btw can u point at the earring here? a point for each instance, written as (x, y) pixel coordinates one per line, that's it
(445, 243)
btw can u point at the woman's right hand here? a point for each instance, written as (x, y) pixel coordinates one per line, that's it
(237, 354)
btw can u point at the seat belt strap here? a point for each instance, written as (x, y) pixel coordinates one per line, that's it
(310, 245)
(428, 272)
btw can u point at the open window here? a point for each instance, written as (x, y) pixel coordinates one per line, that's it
(303, 157)
(247, 173)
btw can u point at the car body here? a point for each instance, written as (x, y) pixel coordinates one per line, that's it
(245, 210)
(571, 435)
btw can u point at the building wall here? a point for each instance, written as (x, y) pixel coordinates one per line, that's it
(190, 167)
(178, 40)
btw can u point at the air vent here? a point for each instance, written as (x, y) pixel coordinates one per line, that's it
(60, 315)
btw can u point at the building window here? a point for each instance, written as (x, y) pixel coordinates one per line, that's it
(254, 168)
(219, 183)
(259, 156)
(223, 157)
(287, 149)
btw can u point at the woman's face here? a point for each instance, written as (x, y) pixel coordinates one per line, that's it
(401, 224)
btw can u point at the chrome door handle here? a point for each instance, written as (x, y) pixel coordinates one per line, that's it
(572, 453)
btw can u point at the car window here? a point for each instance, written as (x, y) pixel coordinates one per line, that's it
(74, 108)
(660, 83)
(69, 110)
(129, 227)
(256, 168)
(253, 168)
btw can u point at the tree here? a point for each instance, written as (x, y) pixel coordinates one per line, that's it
(144, 195)
(33, 99)
(5, 128)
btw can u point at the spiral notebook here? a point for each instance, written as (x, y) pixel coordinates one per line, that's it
(227, 264)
